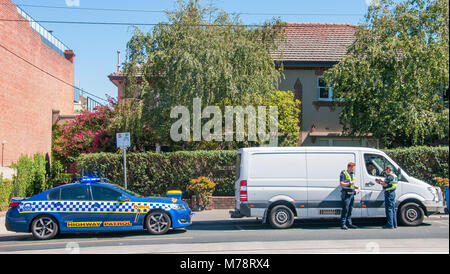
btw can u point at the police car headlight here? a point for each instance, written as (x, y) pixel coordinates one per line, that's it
(178, 207)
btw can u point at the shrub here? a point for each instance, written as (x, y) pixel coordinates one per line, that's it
(203, 188)
(32, 175)
(6, 189)
(155, 173)
(424, 163)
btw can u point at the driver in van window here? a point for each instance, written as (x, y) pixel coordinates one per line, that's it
(371, 169)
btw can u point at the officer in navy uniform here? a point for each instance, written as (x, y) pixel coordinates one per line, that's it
(347, 183)
(389, 185)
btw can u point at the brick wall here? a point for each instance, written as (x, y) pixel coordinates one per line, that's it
(217, 202)
(27, 95)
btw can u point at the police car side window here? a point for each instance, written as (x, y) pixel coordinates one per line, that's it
(54, 195)
(101, 193)
(74, 193)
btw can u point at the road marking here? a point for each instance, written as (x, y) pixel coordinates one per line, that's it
(96, 241)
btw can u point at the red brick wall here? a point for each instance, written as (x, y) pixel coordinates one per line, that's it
(217, 202)
(28, 95)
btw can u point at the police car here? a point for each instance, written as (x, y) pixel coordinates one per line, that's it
(93, 204)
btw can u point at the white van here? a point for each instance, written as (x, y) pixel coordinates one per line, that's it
(279, 184)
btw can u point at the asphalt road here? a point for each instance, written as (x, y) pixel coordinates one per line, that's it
(247, 236)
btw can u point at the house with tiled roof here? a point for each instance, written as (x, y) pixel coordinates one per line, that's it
(306, 52)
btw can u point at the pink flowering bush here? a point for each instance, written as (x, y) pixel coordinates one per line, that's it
(87, 133)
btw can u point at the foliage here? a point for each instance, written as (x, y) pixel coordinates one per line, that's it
(396, 74)
(441, 182)
(6, 189)
(58, 174)
(87, 133)
(202, 187)
(201, 53)
(31, 175)
(424, 163)
(156, 173)
(288, 116)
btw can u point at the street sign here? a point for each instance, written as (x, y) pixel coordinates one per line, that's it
(123, 140)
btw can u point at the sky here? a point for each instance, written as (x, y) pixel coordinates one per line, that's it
(96, 46)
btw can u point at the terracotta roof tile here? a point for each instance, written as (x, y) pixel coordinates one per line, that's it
(315, 42)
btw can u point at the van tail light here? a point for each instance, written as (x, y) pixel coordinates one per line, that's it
(14, 204)
(243, 191)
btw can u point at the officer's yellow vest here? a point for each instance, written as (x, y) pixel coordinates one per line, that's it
(348, 178)
(394, 183)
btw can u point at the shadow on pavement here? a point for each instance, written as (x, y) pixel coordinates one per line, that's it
(314, 224)
(90, 235)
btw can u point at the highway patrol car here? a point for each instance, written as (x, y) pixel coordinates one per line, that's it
(95, 205)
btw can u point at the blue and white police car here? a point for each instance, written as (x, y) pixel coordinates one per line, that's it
(93, 204)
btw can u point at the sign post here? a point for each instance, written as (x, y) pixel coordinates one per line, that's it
(123, 142)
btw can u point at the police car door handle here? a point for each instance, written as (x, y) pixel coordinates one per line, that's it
(57, 204)
(96, 205)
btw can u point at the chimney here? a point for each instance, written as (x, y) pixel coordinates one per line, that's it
(118, 61)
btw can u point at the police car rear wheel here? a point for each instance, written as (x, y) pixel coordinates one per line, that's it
(281, 216)
(158, 222)
(44, 227)
(411, 214)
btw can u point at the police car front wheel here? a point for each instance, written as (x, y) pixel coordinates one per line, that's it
(158, 222)
(44, 227)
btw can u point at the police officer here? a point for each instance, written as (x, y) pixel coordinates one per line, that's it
(347, 182)
(389, 185)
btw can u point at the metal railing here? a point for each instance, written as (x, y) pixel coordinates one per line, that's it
(91, 104)
(47, 37)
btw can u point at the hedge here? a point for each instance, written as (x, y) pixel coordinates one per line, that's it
(152, 174)
(424, 163)
(6, 189)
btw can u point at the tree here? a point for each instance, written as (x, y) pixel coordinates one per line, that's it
(395, 76)
(200, 53)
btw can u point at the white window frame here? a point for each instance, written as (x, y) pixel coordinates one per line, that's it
(330, 89)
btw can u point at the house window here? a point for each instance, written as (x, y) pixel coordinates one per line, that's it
(325, 91)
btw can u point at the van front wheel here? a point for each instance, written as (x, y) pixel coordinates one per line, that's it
(411, 214)
(281, 216)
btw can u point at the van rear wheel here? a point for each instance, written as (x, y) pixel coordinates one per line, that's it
(281, 217)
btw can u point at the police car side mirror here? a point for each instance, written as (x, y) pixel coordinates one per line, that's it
(123, 199)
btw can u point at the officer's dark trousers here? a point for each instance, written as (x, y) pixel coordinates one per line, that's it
(391, 212)
(347, 206)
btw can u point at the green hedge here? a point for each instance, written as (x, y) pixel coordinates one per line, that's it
(6, 188)
(152, 174)
(424, 163)
(32, 175)
(155, 173)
